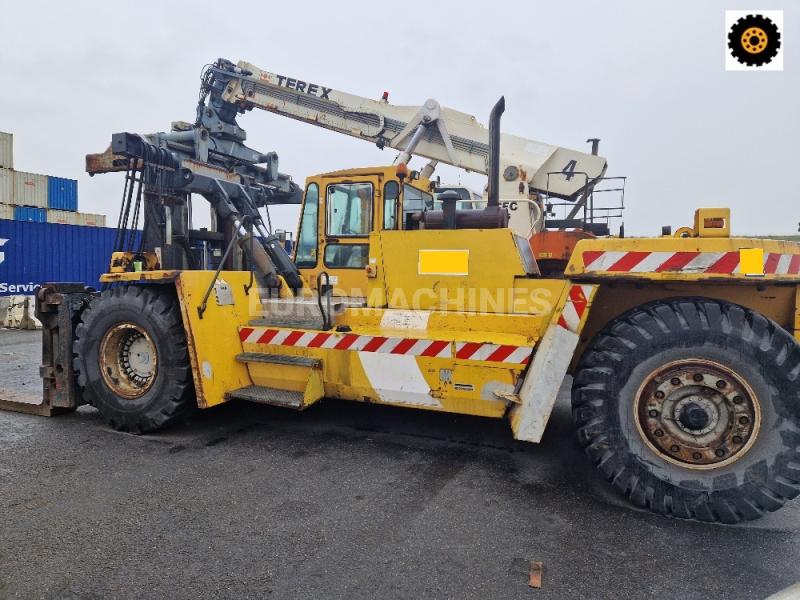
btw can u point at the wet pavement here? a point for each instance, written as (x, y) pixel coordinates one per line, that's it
(342, 501)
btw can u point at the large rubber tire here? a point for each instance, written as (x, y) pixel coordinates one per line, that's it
(169, 393)
(623, 356)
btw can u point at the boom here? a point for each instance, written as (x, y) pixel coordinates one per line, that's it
(442, 134)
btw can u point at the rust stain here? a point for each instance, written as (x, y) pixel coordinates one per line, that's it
(107, 162)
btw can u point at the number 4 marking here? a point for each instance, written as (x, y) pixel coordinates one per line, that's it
(569, 169)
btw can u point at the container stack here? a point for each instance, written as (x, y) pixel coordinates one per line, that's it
(38, 198)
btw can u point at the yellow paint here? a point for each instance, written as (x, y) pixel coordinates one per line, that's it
(348, 281)
(213, 341)
(285, 377)
(443, 262)
(500, 328)
(457, 385)
(576, 267)
(315, 388)
(751, 261)
(712, 222)
(496, 281)
(462, 286)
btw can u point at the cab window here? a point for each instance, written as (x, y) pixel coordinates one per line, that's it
(347, 256)
(349, 209)
(390, 193)
(414, 201)
(306, 255)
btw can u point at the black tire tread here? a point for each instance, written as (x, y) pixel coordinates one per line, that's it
(177, 399)
(764, 491)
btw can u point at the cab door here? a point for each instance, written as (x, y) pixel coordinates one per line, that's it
(351, 213)
(337, 217)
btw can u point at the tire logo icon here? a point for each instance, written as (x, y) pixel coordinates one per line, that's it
(754, 40)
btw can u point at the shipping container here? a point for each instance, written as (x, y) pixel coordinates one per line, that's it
(6, 150)
(35, 253)
(62, 194)
(30, 189)
(6, 211)
(6, 186)
(64, 217)
(30, 213)
(90, 220)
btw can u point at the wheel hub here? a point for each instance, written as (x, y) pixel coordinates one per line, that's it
(697, 413)
(693, 417)
(754, 40)
(128, 360)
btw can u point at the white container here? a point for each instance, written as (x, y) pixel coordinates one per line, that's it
(6, 186)
(30, 189)
(64, 217)
(90, 219)
(6, 150)
(6, 211)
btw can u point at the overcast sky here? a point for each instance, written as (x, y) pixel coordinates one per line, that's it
(647, 78)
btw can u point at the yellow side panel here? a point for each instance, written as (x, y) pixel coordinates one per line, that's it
(284, 377)
(447, 382)
(402, 381)
(213, 339)
(519, 328)
(454, 270)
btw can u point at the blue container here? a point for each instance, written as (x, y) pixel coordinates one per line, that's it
(30, 213)
(62, 194)
(35, 253)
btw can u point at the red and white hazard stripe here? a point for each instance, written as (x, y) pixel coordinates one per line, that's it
(493, 352)
(575, 307)
(386, 345)
(345, 341)
(685, 262)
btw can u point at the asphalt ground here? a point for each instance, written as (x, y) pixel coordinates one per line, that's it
(342, 501)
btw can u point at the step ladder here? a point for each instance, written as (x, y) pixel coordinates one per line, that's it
(280, 380)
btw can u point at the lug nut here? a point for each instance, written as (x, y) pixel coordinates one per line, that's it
(653, 413)
(697, 455)
(659, 394)
(658, 433)
(698, 377)
(738, 400)
(719, 452)
(721, 383)
(744, 420)
(675, 381)
(674, 448)
(737, 439)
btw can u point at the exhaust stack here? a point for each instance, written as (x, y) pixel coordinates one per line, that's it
(494, 152)
(493, 216)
